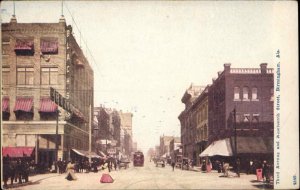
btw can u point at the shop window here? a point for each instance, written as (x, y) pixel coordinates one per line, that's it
(25, 76)
(236, 93)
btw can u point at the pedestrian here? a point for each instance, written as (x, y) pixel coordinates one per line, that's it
(13, 167)
(250, 167)
(19, 171)
(225, 169)
(266, 171)
(70, 171)
(106, 178)
(6, 171)
(60, 166)
(238, 166)
(203, 166)
(173, 164)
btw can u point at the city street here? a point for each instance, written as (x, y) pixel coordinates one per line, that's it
(147, 177)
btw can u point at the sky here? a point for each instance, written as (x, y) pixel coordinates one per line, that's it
(146, 54)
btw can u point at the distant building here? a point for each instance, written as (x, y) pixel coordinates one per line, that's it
(109, 132)
(35, 57)
(165, 145)
(126, 128)
(175, 147)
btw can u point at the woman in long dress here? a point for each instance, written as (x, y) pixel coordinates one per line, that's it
(106, 178)
(70, 172)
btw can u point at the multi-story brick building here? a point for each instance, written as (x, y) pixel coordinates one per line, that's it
(248, 91)
(190, 129)
(109, 133)
(37, 56)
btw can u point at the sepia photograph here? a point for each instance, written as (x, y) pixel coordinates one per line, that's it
(149, 94)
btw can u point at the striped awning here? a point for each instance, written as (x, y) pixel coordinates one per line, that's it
(5, 104)
(24, 104)
(17, 152)
(24, 44)
(47, 106)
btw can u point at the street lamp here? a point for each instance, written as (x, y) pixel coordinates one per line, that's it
(235, 135)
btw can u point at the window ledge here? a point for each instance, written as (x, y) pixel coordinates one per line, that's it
(255, 100)
(237, 100)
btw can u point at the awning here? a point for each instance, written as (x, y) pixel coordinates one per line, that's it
(220, 147)
(49, 45)
(24, 104)
(17, 151)
(24, 44)
(77, 113)
(86, 153)
(255, 145)
(5, 104)
(47, 105)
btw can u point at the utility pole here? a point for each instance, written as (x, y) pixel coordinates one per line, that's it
(56, 139)
(234, 125)
(90, 133)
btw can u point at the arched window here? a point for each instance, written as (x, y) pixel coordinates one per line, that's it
(245, 93)
(254, 93)
(236, 93)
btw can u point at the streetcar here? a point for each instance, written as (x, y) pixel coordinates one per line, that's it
(138, 159)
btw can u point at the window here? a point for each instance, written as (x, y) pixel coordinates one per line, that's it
(245, 93)
(246, 118)
(255, 118)
(25, 76)
(272, 94)
(254, 94)
(236, 93)
(49, 75)
(5, 49)
(5, 76)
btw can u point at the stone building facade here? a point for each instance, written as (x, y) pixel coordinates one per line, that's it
(37, 56)
(190, 129)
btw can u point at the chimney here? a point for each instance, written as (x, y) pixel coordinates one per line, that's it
(13, 19)
(219, 73)
(62, 19)
(263, 68)
(227, 67)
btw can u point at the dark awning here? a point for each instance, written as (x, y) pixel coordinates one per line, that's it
(47, 106)
(49, 45)
(24, 44)
(255, 145)
(17, 151)
(24, 104)
(5, 104)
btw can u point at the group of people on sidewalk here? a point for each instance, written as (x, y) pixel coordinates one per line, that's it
(17, 170)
